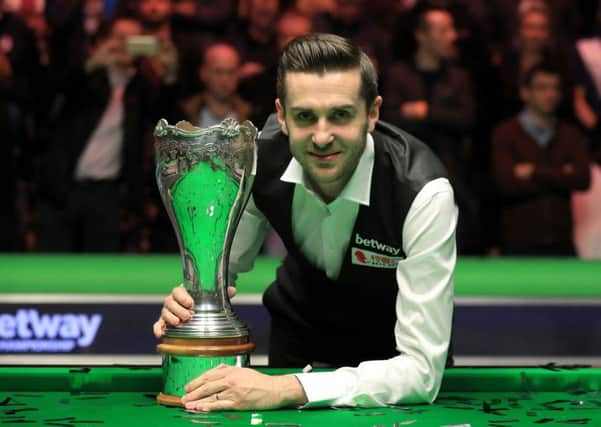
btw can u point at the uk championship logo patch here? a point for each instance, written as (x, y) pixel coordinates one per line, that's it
(372, 259)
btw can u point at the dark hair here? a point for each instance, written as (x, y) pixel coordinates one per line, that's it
(320, 53)
(543, 67)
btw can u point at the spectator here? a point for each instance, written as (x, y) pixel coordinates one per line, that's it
(260, 89)
(158, 20)
(538, 160)
(219, 74)
(92, 159)
(349, 19)
(535, 42)
(432, 99)
(255, 37)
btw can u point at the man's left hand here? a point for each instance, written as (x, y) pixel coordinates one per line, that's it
(227, 388)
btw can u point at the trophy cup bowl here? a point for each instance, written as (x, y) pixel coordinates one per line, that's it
(204, 177)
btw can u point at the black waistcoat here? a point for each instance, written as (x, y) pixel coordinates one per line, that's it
(352, 318)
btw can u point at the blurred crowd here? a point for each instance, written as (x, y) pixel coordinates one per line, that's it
(506, 92)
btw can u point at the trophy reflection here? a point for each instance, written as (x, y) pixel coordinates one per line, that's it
(204, 177)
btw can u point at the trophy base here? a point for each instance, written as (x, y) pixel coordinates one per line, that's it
(169, 400)
(186, 359)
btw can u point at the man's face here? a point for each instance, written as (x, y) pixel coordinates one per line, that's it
(263, 13)
(326, 120)
(534, 31)
(439, 34)
(220, 71)
(121, 30)
(154, 12)
(543, 94)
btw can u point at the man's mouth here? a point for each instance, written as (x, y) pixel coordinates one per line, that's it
(324, 157)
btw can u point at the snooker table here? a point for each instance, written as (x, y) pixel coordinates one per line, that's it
(125, 396)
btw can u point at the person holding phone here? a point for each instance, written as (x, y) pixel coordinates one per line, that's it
(90, 171)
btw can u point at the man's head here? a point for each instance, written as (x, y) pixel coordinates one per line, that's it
(219, 71)
(541, 89)
(154, 13)
(534, 29)
(348, 11)
(323, 53)
(292, 24)
(435, 32)
(262, 14)
(118, 31)
(327, 102)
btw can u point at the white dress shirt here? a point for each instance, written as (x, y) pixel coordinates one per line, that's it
(101, 157)
(424, 303)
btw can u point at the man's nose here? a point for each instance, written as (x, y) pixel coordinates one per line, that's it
(322, 135)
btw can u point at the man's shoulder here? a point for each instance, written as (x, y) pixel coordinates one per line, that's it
(569, 128)
(570, 133)
(271, 130)
(411, 158)
(395, 137)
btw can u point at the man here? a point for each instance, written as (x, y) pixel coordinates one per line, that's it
(93, 158)
(219, 74)
(538, 162)
(432, 99)
(254, 36)
(368, 220)
(356, 20)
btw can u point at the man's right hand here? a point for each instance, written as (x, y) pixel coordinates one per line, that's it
(108, 52)
(178, 308)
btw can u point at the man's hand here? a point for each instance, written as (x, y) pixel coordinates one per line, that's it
(415, 110)
(523, 170)
(233, 388)
(250, 69)
(165, 63)
(177, 308)
(109, 52)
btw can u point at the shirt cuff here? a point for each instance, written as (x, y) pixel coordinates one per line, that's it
(324, 388)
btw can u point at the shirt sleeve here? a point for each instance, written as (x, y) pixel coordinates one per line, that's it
(424, 309)
(247, 241)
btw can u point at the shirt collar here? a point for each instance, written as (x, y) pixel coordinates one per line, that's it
(357, 189)
(540, 134)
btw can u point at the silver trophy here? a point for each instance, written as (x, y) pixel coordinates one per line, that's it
(205, 178)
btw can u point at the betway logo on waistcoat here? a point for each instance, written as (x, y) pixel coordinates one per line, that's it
(361, 256)
(27, 330)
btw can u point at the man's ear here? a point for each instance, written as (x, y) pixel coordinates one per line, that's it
(281, 115)
(374, 113)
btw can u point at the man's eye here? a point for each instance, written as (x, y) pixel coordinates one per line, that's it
(304, 117)
(341, 115)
